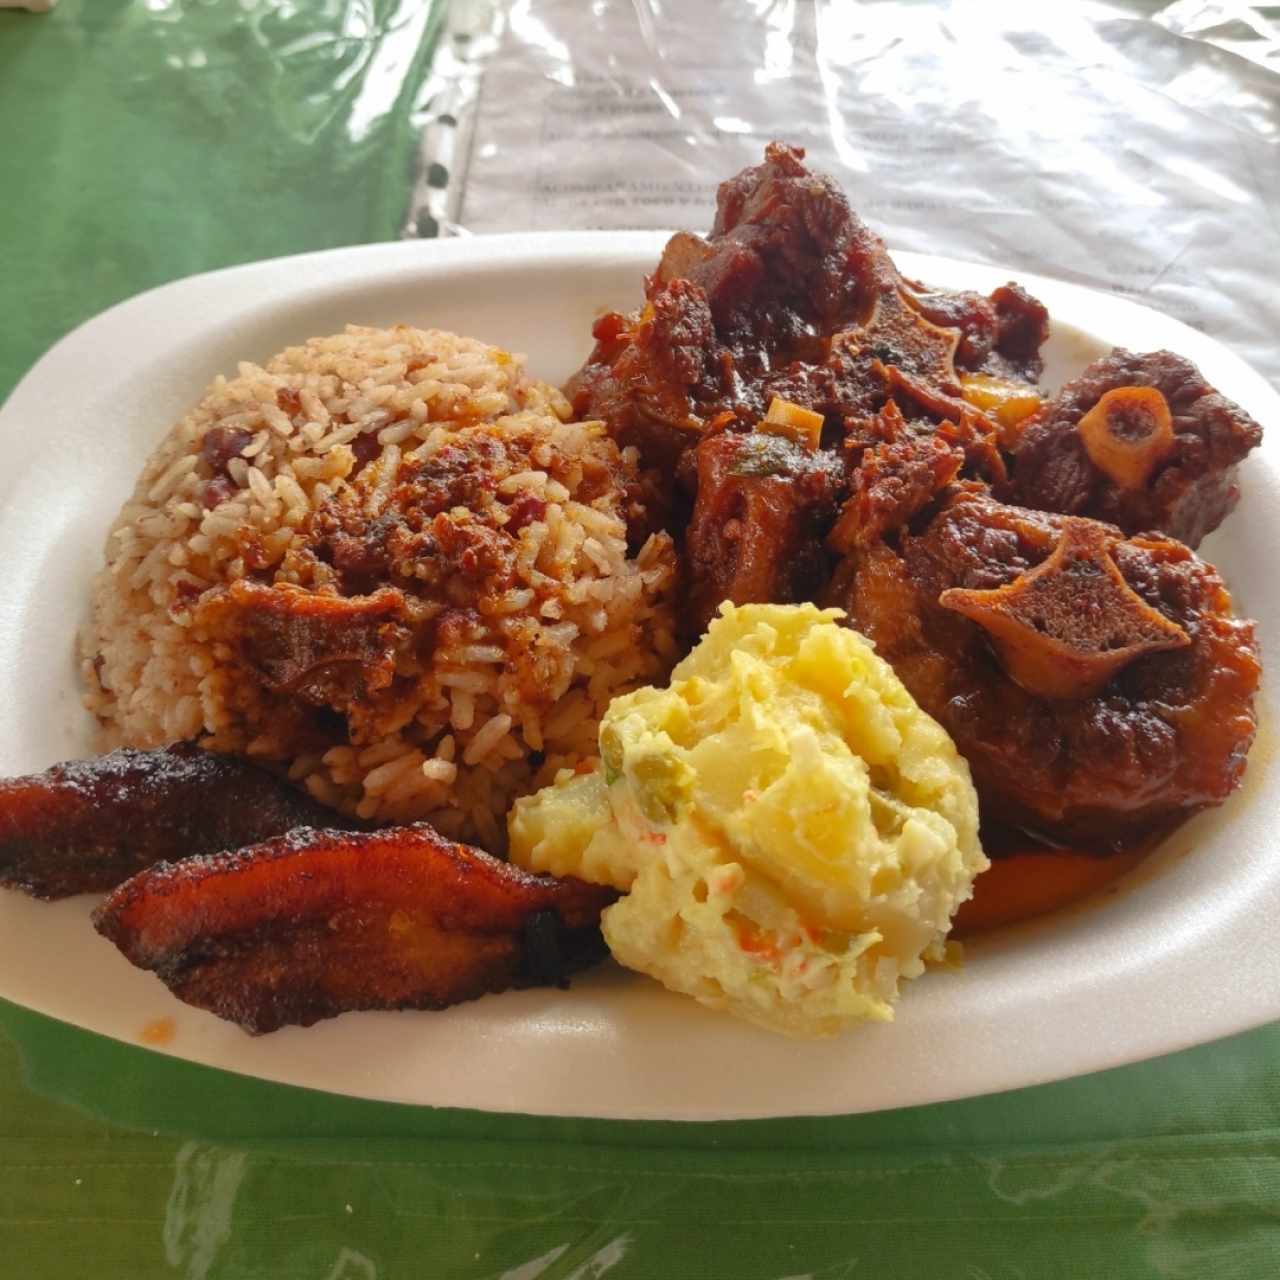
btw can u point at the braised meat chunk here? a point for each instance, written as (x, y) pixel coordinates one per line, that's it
(899, 467)
(87, 826)
(1098, 685)
(756, 533)
(893, 481)
(327, 649)
(320, 922)
(1000, 336)
(792, 300)
(790, 296)
(1141, 441)
(300, 649)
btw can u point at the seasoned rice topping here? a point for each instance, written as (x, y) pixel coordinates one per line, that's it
(386, 563)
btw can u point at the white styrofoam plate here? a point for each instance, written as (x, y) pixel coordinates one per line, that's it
(1186, 952)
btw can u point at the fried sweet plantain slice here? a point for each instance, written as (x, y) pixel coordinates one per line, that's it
(320, 922)
(88, 825)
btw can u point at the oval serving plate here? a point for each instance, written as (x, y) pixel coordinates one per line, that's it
(1184, 950)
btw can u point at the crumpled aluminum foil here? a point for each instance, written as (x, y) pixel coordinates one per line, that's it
(1127, 146)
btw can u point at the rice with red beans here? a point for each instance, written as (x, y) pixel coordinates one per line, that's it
(385, 563)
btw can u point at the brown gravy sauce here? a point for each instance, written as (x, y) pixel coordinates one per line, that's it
(159, 1031)
(1029, 879)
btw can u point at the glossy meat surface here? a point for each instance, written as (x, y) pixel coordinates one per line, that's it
(320, 922)
(1166, 733)
(902, 466)
(1000, 335)
(88, 825)
(756, 534)
(894, 480)
(1191, 487)
(792, 296)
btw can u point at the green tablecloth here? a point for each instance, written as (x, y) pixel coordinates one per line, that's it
(141, 140)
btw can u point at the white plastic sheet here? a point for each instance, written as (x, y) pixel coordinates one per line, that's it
(1131, 147)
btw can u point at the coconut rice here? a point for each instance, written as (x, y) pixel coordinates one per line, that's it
(426, 492)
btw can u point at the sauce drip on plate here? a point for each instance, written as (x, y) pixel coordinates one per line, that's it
(1028, 878)
(159, 1031)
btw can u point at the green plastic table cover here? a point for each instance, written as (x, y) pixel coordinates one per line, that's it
(142, 140)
